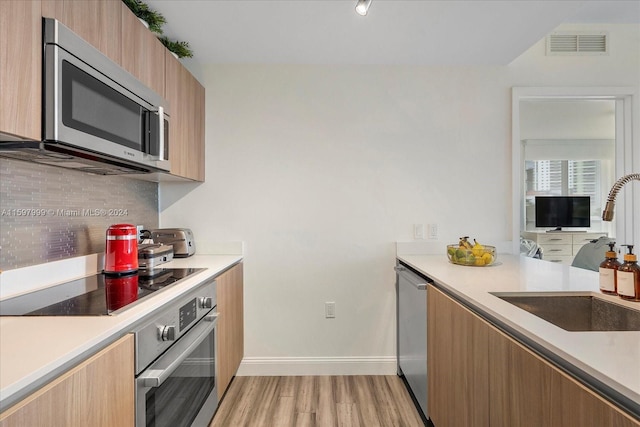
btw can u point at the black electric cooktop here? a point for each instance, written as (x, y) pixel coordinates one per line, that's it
(96, 295)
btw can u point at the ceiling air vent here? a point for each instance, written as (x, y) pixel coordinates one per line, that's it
(578, 44)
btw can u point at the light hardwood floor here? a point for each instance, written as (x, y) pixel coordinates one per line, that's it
(340, 401)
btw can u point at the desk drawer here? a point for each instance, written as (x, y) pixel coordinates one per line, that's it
(560, 259)
(582, 239)
(555, 239)
(556, 250)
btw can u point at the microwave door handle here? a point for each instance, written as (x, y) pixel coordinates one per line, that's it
(155, 377)
(161, 133)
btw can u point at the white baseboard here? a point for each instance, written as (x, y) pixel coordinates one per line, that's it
(293, 366)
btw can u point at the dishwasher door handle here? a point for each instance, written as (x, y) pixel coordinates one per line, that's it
(417, 281)
(420, 286)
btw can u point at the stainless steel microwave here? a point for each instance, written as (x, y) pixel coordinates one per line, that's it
(96, 116)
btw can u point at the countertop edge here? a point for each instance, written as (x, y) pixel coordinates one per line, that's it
(620, 395)
(115, 327)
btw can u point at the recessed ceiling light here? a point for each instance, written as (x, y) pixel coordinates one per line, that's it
(363, 7)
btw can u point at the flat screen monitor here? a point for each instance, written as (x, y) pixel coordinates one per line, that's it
(563, 211)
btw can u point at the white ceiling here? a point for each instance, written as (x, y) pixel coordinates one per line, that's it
(426, 32)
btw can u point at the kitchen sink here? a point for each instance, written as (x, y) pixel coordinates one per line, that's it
(579, 312)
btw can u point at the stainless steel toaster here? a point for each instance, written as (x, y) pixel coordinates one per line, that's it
(150, 255)
(180, 238)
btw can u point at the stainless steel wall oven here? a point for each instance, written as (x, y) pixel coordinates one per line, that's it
(176, 378)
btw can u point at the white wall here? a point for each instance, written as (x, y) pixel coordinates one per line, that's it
(568, 119)
(320, 169)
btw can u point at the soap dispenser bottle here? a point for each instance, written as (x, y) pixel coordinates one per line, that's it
(628, 277)
(608, 271)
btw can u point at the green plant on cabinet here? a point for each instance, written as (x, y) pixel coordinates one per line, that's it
(155, 21)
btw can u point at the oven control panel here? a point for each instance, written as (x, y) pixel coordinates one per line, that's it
(161, 328)
(188, 314)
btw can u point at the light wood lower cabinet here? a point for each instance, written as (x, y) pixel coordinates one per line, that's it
(229, 295)
(457, 364)
(521, 385)
(98, 392)
(480, 377)
(527, 391)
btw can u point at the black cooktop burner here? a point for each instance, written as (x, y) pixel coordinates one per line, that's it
(96, 295)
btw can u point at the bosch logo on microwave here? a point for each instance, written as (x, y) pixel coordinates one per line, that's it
(130, 154)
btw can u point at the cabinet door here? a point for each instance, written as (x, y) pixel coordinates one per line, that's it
(574, 404)
(457, 364)
(21, 69)
(142, 53)
(97, 21)
(198, 149)
(520, 385)
(98, 392)
(528, 391)
(186, 130)
(229, 293)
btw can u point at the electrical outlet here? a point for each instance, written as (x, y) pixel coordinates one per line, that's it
(432, 231)
(329, 309)
(139, 228)
(418, 231)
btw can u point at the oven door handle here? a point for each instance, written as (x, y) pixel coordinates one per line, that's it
(158, 373)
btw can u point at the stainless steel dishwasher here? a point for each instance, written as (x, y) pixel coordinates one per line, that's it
(411, 312)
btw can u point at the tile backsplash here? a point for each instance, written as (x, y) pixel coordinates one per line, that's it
(49, 213)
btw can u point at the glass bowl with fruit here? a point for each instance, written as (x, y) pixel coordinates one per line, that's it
(476, 254)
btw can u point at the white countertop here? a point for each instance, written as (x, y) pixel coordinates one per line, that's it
(612, 358)
(34, 350)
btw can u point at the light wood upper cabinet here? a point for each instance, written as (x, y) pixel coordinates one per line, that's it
(20, 69)
(99, 22)
(457, 364)
(229, 295)
(186, 129)
(142, 53)
(98, 392)
(109, 26)
(480, 377)
(197, 157)
(114, 30)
